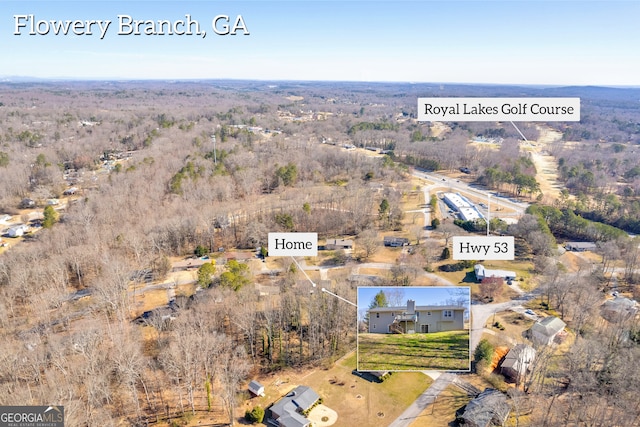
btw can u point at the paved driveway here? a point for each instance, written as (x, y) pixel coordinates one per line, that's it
(427, 397)
(481, 312)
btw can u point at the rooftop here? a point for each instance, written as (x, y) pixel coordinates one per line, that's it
(490, 407)
(417, 308)
(286, 409)
(548, 326)
(518, 357)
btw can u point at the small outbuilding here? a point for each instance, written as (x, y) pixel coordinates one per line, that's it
(256, 388)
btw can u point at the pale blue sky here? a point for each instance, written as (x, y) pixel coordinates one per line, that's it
(507, 42)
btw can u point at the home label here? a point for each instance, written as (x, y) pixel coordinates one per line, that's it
(483, 248)
(293, 244)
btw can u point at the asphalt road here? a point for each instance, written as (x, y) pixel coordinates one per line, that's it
(481, 312)
(455, 185)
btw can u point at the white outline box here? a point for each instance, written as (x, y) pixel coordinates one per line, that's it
(478, 248)
(498, 109)
(306, 244)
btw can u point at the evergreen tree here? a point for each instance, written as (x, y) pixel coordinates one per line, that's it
(205, 274)
(50, 217)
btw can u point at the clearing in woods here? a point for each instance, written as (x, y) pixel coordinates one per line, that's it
(546, 164)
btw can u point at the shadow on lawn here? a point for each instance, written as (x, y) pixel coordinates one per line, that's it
(368, 376)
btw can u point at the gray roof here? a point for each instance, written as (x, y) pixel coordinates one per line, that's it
(418, 308)
(620, 303)
(293, 419)
(519, 357)
(481, 272)
(395, 239)
(549, 326)
(302, 397)
(339, 242)
(490, 407)
(618, 309)
(255, 385)
(581, 245)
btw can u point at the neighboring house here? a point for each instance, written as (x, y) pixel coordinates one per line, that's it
(619, 309)
(410, 318)
(483, 273)
(256, 388)
(27, 203)
(17, 230)
(395, 242)
(517, 362)
(544, 331)
(287, 412)
(161, 315)
(580, 246)
(333, 244)
(489, 408)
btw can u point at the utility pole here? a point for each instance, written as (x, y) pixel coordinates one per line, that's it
(215, 156)
(488, 212)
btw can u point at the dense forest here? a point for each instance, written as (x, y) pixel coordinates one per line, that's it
(141, 174)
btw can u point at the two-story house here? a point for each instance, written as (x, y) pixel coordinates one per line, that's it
(410, 318)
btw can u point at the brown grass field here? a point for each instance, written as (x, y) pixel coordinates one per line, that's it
(358, 401)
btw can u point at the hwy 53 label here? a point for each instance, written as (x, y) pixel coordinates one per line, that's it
(483, 248)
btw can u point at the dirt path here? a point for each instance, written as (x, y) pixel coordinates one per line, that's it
(546, 165)
(438, 129)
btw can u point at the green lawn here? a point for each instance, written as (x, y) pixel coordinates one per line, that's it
(411, 352)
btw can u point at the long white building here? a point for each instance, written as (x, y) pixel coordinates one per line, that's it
(482, 273)
(462, 205)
